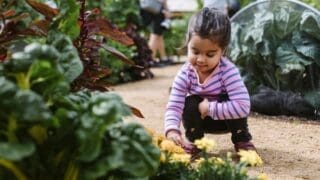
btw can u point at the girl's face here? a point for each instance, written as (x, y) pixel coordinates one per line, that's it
(203, 54)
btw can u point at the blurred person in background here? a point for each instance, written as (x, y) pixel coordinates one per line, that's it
(158, 23)
(229, 7)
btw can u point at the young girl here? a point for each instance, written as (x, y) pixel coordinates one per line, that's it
(208, 94)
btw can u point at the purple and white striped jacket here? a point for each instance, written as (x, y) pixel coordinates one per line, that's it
(225, 77)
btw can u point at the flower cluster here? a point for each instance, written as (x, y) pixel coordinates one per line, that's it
(205, 144)
(169, 150)
(262, 176)
(250, 157)
(176, 163)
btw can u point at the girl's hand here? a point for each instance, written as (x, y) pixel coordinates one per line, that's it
(203, 108)
(175, 137)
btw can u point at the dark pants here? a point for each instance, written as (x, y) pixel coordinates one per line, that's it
(153, 21)
(196, 127)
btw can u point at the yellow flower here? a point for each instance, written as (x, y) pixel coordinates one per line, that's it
(262, 176)
(170, 146)
(243, 171)
(199, 161)
(183, 158)
(163, 157)
(205, 144)
(250, 157)
(150, 131)
(218, 160)
(157, 139)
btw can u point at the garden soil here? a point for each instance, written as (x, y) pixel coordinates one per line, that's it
(289, 146)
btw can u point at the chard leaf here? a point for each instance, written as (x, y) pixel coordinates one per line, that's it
(130, 148)
(46, 80)
(307, 45)
(289, 60)
(69, 59)
(16, 151)
(286, 21)
(7, 92)
(100, 110)
(20, 62)
(310, 23)
(279, 44)
(30, 107)
(90, 140)
(313, 97)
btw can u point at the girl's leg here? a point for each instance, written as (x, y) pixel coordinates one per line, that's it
(240, 135)
(191, 119)
(239, 130)
(194, 126)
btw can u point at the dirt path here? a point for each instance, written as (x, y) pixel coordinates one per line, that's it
(290, 147)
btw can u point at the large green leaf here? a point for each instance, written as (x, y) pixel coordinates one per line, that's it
(307, 45)
(90, 141)
(7, 91)
(100, 111)
(16, 151)
(313, 97)
(276, 45)
(29, 106)
(46, 80)
(20, 62)
(140, 156)
(289, 60)
(69, 59)
(310, 23)
(286, 20)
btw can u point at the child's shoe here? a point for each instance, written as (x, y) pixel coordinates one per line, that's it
(191, 149)
(167, 61)
(244, 146)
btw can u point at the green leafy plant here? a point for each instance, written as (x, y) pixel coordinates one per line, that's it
(87, 29)
(175, 36)
(49, 132)
(278, 48)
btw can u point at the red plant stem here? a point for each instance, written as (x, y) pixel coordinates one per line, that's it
(83, 31)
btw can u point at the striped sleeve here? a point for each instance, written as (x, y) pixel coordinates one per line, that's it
(238, 105)
(176, 101)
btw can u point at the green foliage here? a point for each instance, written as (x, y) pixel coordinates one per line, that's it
(129, 10)
(314, 3)
(120, 72)
(67, 20)
(51, 135)
(227, 170)
(243, 3)
(174, 170)
(279, 48)
(175, 36)
(203, 168)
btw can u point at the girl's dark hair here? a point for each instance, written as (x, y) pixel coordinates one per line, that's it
(210, 23)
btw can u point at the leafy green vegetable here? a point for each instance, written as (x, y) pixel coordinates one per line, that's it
(16, 151)
(278, 47)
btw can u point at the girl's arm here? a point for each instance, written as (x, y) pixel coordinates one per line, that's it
(238, 105)
(175, 105)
